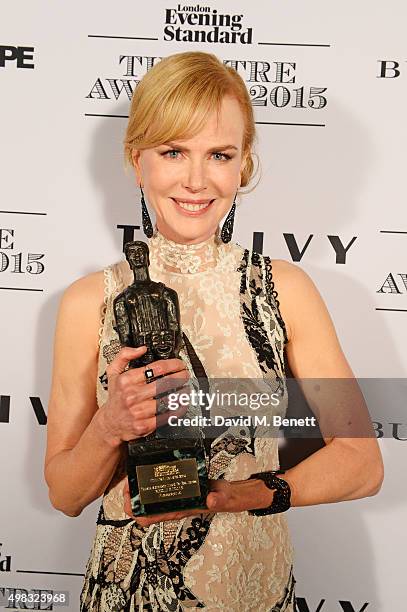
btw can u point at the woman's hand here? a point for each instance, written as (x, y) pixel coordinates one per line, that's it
(130, 411)
(224, 496)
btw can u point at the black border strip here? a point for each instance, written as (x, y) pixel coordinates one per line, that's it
(257, 122)
(20, 289)
(102, 115)
(20, 212)
(122, 37)
(290, 123)
(53, 573)
(276, 44)
(393, 309)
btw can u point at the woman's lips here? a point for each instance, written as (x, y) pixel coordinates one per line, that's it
(185, 207)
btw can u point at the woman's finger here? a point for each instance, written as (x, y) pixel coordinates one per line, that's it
(162, 367)
(168, 385)
(123, 357)
(218, 502)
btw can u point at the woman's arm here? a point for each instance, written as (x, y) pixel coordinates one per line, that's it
(84, 443)
(81, 457)
(347, 467)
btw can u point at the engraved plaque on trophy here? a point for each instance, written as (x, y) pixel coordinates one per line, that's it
(166, 472)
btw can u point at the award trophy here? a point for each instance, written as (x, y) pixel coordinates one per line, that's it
(166, 469)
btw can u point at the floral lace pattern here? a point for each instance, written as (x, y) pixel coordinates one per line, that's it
(184, 258)
(224, 561)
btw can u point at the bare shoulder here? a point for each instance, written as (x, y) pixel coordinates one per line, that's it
(87, 289)
(72, 401)
(313, 349)
(289, 274)
(81, 304)
(298, 295)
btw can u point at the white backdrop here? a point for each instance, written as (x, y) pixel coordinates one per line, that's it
(332, 171)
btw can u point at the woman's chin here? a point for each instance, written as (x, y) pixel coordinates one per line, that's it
(187, 232)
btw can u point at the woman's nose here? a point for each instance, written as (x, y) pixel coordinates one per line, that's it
(195, 176)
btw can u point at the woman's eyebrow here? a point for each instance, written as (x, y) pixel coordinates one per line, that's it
(211, 150)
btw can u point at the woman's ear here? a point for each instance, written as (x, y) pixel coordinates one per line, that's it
(135, 155)
(242, 167)
(243, 164)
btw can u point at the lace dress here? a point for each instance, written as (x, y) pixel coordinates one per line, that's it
(230, 562)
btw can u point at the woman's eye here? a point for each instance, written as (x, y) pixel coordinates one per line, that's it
(166, 153)
(223, 155)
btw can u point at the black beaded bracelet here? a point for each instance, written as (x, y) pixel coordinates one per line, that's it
(282, 493)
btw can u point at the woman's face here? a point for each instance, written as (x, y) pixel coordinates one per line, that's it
(203, 171)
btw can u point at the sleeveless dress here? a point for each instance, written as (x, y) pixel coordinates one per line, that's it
(222, 561)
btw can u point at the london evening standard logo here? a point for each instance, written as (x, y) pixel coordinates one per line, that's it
(203, 24)
(272, 83)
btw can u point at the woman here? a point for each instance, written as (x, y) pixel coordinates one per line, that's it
(189, 138)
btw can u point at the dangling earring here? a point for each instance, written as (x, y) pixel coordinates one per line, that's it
(147, 225)
(227, 227)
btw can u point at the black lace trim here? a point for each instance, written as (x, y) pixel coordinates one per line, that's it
(243, 269)
(258, 339)
(272, 293)
(101, 520)
(166, 565)
(171, 562)
(232, 446)
(268, 356)
(288, 597)
(103, 380)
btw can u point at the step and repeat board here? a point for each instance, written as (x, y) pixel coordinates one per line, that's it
(328, 84)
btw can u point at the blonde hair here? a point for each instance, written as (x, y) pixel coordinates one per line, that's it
(174, 98)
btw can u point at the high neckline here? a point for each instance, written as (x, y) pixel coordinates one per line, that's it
(176, 257)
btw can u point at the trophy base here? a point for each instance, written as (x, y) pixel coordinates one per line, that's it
(166, 479)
